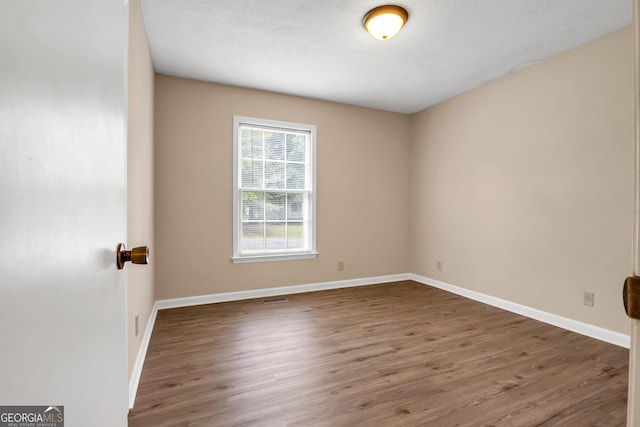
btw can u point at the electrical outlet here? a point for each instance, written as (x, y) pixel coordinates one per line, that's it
(340, 265)
(439, 265)
(137, 323)
(587, 298)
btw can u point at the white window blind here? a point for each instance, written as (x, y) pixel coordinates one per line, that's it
(274, 190)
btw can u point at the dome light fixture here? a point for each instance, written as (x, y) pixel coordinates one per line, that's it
(384, 22)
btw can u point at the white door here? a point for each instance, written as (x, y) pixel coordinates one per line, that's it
(633, 406)
(62, 207)
(633, 402)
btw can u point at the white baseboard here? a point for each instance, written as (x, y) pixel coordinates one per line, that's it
(269, 292)
(552, 319)
(142, 354)
(592, 331)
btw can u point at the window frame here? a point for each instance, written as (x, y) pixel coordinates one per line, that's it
(271, 255)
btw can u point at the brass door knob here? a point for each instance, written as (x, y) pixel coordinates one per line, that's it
(631, 297)
(139, 255)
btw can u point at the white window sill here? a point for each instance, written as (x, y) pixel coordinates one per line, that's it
(268, 258)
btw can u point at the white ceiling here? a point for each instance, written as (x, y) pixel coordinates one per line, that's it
(319, 49)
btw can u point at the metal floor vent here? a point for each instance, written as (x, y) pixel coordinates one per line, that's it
(274, 300)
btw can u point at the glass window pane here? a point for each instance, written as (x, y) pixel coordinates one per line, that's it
(276, 206)
(295, 235)
(295, 206)
(253, 236)
(252, 206)
(251, 143)
(252, 173)
(276, 235)
(274, 145)
(295, 176)
(274, 175)
(296, 147)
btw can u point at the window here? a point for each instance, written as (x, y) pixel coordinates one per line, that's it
(274, 190)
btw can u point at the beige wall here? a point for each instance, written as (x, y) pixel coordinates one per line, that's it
(523, 187)
(140, 295)
(363, 195)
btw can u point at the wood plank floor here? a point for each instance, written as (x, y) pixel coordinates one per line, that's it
(398, 354)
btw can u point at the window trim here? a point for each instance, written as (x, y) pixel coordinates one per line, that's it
(237, 200)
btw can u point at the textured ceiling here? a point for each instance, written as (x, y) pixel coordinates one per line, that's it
(319, 49)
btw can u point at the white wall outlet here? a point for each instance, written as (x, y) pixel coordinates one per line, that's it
(137, 323)
(340, 265)
(587, 298)
(439, 265)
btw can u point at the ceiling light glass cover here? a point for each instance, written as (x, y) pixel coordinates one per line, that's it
(384, 22)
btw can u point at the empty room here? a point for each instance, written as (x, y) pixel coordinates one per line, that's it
(340, 213)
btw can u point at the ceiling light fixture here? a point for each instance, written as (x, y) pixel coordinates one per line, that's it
(384, 22)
